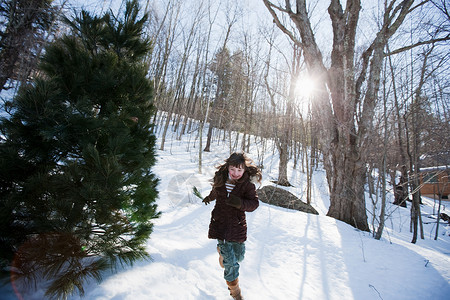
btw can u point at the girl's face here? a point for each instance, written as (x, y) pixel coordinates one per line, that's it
(236, 172)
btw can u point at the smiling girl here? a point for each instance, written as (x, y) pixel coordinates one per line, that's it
(235, 194)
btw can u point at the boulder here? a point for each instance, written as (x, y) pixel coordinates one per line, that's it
(277, 196)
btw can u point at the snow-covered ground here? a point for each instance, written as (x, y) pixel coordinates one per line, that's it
(289, 254)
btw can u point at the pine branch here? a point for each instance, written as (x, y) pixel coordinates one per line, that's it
(197, 192)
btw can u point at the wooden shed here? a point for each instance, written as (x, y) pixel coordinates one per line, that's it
(435, 181)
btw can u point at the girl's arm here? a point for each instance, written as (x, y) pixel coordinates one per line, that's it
(213, 195)
(250, 200)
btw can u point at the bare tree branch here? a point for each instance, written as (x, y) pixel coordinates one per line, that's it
(409, 47)
(270, 6)
(419, 5)
(444, 9)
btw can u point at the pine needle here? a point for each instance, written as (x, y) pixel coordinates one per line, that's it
(197, 192)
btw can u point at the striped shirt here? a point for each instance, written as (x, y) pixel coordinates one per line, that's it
(229, 185)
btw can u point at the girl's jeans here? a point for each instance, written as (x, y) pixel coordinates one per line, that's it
(233, 254)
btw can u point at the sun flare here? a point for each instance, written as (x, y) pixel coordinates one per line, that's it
(304, 87)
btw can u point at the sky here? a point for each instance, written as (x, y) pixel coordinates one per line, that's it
(289, 254)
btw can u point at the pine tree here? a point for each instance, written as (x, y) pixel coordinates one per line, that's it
(77, 194)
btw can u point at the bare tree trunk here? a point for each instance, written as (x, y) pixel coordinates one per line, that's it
(230, 24)
(192, 99)
(438, 212)
(401, 188)
(162, 64)
(211, 19)
(415, 184)
(414, 156)
(309, 169)
(383, 172)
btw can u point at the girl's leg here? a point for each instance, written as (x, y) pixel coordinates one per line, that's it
(220, 258)
(239, 251)
(232, 254)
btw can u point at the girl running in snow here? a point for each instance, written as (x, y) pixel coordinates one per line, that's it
(235, 193)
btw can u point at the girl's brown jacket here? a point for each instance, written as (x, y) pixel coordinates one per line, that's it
(227, 222)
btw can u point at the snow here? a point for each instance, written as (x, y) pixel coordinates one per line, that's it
(289, 254)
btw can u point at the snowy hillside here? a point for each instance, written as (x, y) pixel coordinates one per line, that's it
(289, 254)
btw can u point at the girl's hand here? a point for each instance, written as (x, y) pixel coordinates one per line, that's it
(234, 201)
(207, 200)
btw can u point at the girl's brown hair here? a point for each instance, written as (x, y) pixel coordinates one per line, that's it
(236, 159)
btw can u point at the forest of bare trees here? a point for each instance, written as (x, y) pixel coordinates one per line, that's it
(357, 89)
(379, 89)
